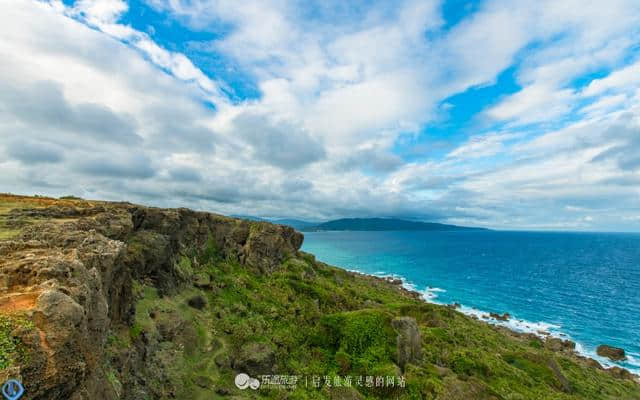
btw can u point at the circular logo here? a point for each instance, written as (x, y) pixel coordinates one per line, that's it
(12, 389)
(242, 381)
(254, 384)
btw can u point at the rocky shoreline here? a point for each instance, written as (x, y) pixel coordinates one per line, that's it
(550, 342)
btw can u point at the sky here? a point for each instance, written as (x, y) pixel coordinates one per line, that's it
(498, 113)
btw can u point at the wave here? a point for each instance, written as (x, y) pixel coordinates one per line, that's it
(541, 329)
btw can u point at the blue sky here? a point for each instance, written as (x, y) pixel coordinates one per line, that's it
(505, 114)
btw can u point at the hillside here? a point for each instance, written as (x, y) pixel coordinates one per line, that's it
(119, 301)
(384, 224)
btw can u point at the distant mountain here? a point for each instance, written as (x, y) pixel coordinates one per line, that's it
(384, 224)
(295, 223)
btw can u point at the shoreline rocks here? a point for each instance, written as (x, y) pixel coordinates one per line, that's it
(393, 281)
(610, 352)
(560, 345)
(503, 317)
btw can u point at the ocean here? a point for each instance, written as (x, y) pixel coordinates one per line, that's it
(580, 286)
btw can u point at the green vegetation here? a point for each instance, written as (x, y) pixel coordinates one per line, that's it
(8, 227)
(201, 316)
(11, 225)
(11, 348)
(320, 321)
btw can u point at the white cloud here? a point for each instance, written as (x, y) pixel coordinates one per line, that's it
(338, 87)
(605, 104)
(591, 36)
(105, 14)
(98, 12)
(482, 146)
(534, 103)
(622, 79)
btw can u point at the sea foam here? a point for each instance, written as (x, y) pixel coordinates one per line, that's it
(540, 329)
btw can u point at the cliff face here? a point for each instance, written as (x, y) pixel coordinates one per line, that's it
(114, 301)
(69, 271)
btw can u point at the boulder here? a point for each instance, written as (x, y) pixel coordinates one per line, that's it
(409, 342)
(612, 353)
(255, 359)
(202, 280)
(620, 373)
(393, 281)
(593, 363)
(503, 317)
(198, 302)
(557, 344)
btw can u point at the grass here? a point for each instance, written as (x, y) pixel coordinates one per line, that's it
(324, 321)
(10, 226)
(12, 349)
(320, 321)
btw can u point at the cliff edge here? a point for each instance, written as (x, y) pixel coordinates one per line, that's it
(104, 300)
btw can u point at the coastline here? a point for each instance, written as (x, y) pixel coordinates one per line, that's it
(513, 326)
(199, 295)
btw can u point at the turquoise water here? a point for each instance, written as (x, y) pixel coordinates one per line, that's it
(585, 286)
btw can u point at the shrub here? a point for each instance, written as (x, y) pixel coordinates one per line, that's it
(11, 347)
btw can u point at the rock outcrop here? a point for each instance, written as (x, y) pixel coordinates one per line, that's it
(409, 342)
(560, 345)
(612, 353)
(255, 359)
(70, 272)
(503, 317)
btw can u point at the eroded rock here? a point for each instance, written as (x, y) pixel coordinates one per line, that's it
(612, 353)
(409, 342)
(70, 270)
(503, 317)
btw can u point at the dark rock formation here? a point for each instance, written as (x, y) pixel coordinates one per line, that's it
(409, 342)
(393, 280)
(560, 345)
(612, 353)
(255, 359)
(197, 302)
(503, 317)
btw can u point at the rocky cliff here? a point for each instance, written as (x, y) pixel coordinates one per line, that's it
(67, 276)
(118, 301)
